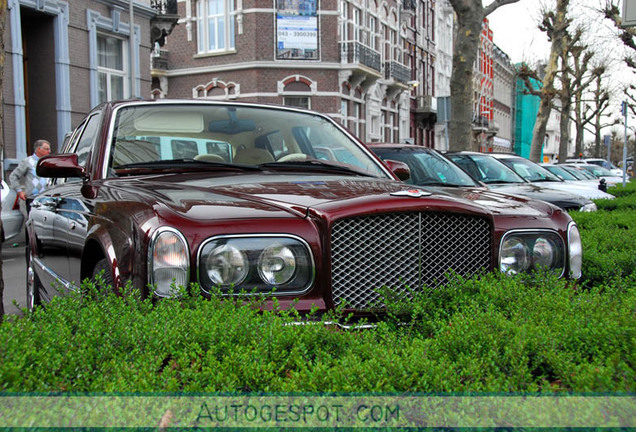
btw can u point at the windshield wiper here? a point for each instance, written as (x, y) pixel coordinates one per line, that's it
(186, 162)
(502, 182)
(317, 165)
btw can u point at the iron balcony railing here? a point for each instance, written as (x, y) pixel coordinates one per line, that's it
(164, 7)
(397, 71)
(408, 5)
(355, 52)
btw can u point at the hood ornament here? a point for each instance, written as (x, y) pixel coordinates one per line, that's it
(413, 193)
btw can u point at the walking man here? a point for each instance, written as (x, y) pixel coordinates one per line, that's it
(23, 178)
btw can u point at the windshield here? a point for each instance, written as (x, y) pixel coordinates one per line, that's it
(428, 168)
(486, 168)
(530, 170)
(561, 172)
(216, 137)
(579, 173)
(597, 171)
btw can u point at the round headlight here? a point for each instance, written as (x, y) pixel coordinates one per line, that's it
(169, 262)
(515, 256)
(543, 253)
(277, 265)
(227, 265)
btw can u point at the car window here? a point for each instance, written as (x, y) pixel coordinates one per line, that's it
(243, 135)
(427, 167)
(86, 140)
(561, 172)
(529, 170)
(486, 169)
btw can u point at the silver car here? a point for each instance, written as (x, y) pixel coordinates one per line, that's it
(12, 217)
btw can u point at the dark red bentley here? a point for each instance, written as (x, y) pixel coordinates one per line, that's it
(260, 199)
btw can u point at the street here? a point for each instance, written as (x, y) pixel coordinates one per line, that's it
(14, 274)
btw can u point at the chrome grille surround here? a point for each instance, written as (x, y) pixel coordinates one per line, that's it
(404, 252)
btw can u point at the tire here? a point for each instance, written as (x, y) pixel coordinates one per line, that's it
(107, 277)
(33, 284)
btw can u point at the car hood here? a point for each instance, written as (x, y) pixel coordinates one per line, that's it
(272, 195)
(559, 198)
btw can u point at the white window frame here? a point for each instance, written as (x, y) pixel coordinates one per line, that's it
(357, 24)
(344, 21)
(344, 112)
(292, 101)
(203, 18)
(373, 24)
(124, 73)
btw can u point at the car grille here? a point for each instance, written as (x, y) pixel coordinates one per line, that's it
(404, 252)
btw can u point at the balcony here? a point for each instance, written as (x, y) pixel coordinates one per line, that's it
(353, 52)
(361, 65)
(159, 62)
(483, 124)
(397, 71)
(408, 10)
(425, 109)
(165, 20)
(164, 7)
(409, 5)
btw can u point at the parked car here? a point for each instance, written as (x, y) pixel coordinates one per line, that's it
(599, 162)
(12, 217)
(277, 221)
(567, 174)
(498, 176)
(535, 173)
(600, 173)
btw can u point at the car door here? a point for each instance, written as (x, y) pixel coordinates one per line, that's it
(64, 208)
(73, 205)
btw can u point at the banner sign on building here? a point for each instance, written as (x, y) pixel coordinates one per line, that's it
(296, 30)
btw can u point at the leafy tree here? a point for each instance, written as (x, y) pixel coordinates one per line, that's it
(470, 18)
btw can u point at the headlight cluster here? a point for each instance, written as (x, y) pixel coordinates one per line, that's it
(526, 251)
(259, 263)
(591, 207)
(575, 251)
(168, 261)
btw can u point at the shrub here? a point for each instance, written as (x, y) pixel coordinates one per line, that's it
(609, 242)
(494, 333)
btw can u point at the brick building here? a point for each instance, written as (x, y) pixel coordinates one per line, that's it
(62, 58)
(367, 63)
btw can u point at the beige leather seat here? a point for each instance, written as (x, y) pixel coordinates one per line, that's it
(253, 156)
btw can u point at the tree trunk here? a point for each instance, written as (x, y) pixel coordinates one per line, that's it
(469, 24)
(3, 17)
(470, 17)
(548, 92)
(565, 125)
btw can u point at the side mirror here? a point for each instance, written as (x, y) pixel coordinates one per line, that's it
(60, 166)
(400, 169)
(602, 185)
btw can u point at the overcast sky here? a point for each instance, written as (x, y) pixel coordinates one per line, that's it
(515, 31)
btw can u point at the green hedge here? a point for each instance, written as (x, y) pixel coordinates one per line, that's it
(609, 237)
(489, 334)
(493, 333)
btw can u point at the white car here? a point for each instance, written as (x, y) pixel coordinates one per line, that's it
(568, 174)
(11, 215)
(598, 162)
(536, 174)
(600, 172)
